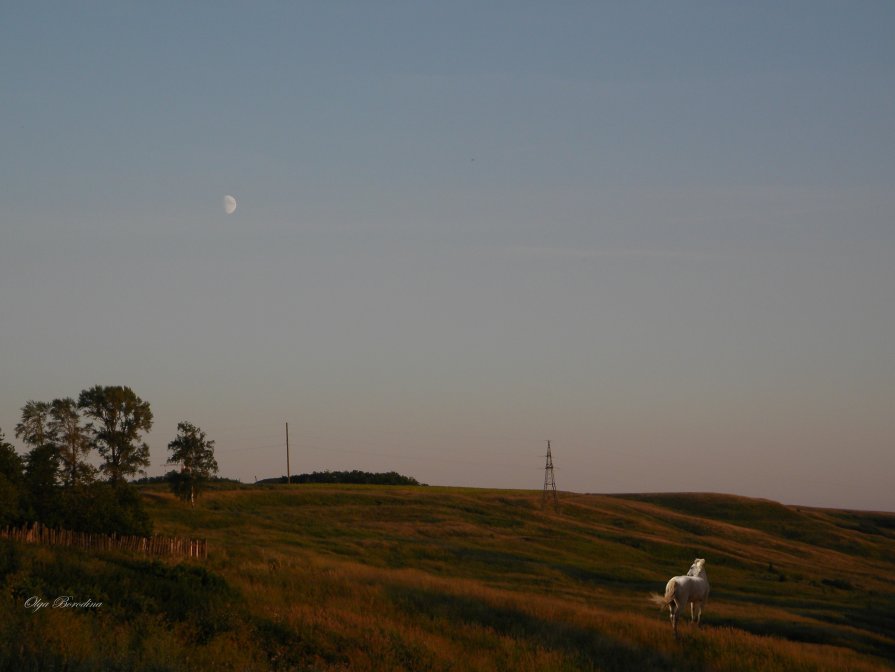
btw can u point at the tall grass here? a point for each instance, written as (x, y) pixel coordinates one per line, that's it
(370, 578)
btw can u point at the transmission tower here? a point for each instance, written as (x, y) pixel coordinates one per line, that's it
(549, 481)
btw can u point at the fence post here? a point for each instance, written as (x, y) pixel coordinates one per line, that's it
(38, 533)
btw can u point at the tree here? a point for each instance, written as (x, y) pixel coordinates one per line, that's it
(34, 429)
(72, 441)
(10, 483)
(11, 464)
(41, 474)
(119, 419)
(195, 454)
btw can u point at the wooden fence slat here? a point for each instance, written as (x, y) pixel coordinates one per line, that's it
(155, 545)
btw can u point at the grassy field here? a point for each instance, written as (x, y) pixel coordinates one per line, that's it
(390, 578)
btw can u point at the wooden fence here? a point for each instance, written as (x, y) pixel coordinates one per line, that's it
(156, 545)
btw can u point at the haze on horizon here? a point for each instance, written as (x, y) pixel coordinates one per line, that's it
(660, 235)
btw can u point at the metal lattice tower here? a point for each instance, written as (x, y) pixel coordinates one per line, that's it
(549, 481)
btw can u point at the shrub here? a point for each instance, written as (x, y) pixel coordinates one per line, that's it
(105, 508)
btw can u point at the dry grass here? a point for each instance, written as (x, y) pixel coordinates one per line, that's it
(371, 578)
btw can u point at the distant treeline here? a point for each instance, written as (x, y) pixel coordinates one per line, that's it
(168, 477)
(355, 477)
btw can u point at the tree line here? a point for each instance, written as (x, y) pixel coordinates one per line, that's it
(354, 477)
(55, 483)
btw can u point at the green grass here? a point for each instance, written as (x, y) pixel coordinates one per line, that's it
(326, 577)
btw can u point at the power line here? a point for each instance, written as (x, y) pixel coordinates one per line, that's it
(426, 458)
(245, 448)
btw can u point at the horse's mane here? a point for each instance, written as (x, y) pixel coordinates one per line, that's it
(697, 568)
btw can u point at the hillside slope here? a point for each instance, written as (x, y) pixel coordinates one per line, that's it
(380, 578)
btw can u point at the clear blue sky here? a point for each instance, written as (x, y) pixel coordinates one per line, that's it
(661, 235)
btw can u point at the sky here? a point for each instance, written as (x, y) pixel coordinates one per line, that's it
(659, 235)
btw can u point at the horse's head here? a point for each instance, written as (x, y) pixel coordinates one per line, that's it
(697, 568)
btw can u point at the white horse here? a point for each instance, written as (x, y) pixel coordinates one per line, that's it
(692, 589)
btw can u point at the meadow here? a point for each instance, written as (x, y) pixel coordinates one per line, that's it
(339, 577)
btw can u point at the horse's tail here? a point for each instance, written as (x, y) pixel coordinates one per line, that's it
(658, 600)
(663, 602)
(670, 591)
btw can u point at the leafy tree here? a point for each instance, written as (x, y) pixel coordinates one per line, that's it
(11, 464)
(72, 441)
(42, 490)
(119, 419)
(195, 454)
(34, 429)
(10, 483)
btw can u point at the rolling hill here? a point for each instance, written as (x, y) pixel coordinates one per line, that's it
(327, 577)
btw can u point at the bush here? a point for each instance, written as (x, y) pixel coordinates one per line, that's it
(105, 508)
(10, 559)
(10, 502)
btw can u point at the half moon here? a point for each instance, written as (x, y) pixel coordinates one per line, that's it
(229, 204)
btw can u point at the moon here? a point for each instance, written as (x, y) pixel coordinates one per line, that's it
(229, 204)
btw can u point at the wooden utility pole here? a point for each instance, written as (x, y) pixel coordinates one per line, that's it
(288, 468)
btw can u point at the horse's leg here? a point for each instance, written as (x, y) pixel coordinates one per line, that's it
(672, 607)
(699, 616)
(692, 618)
